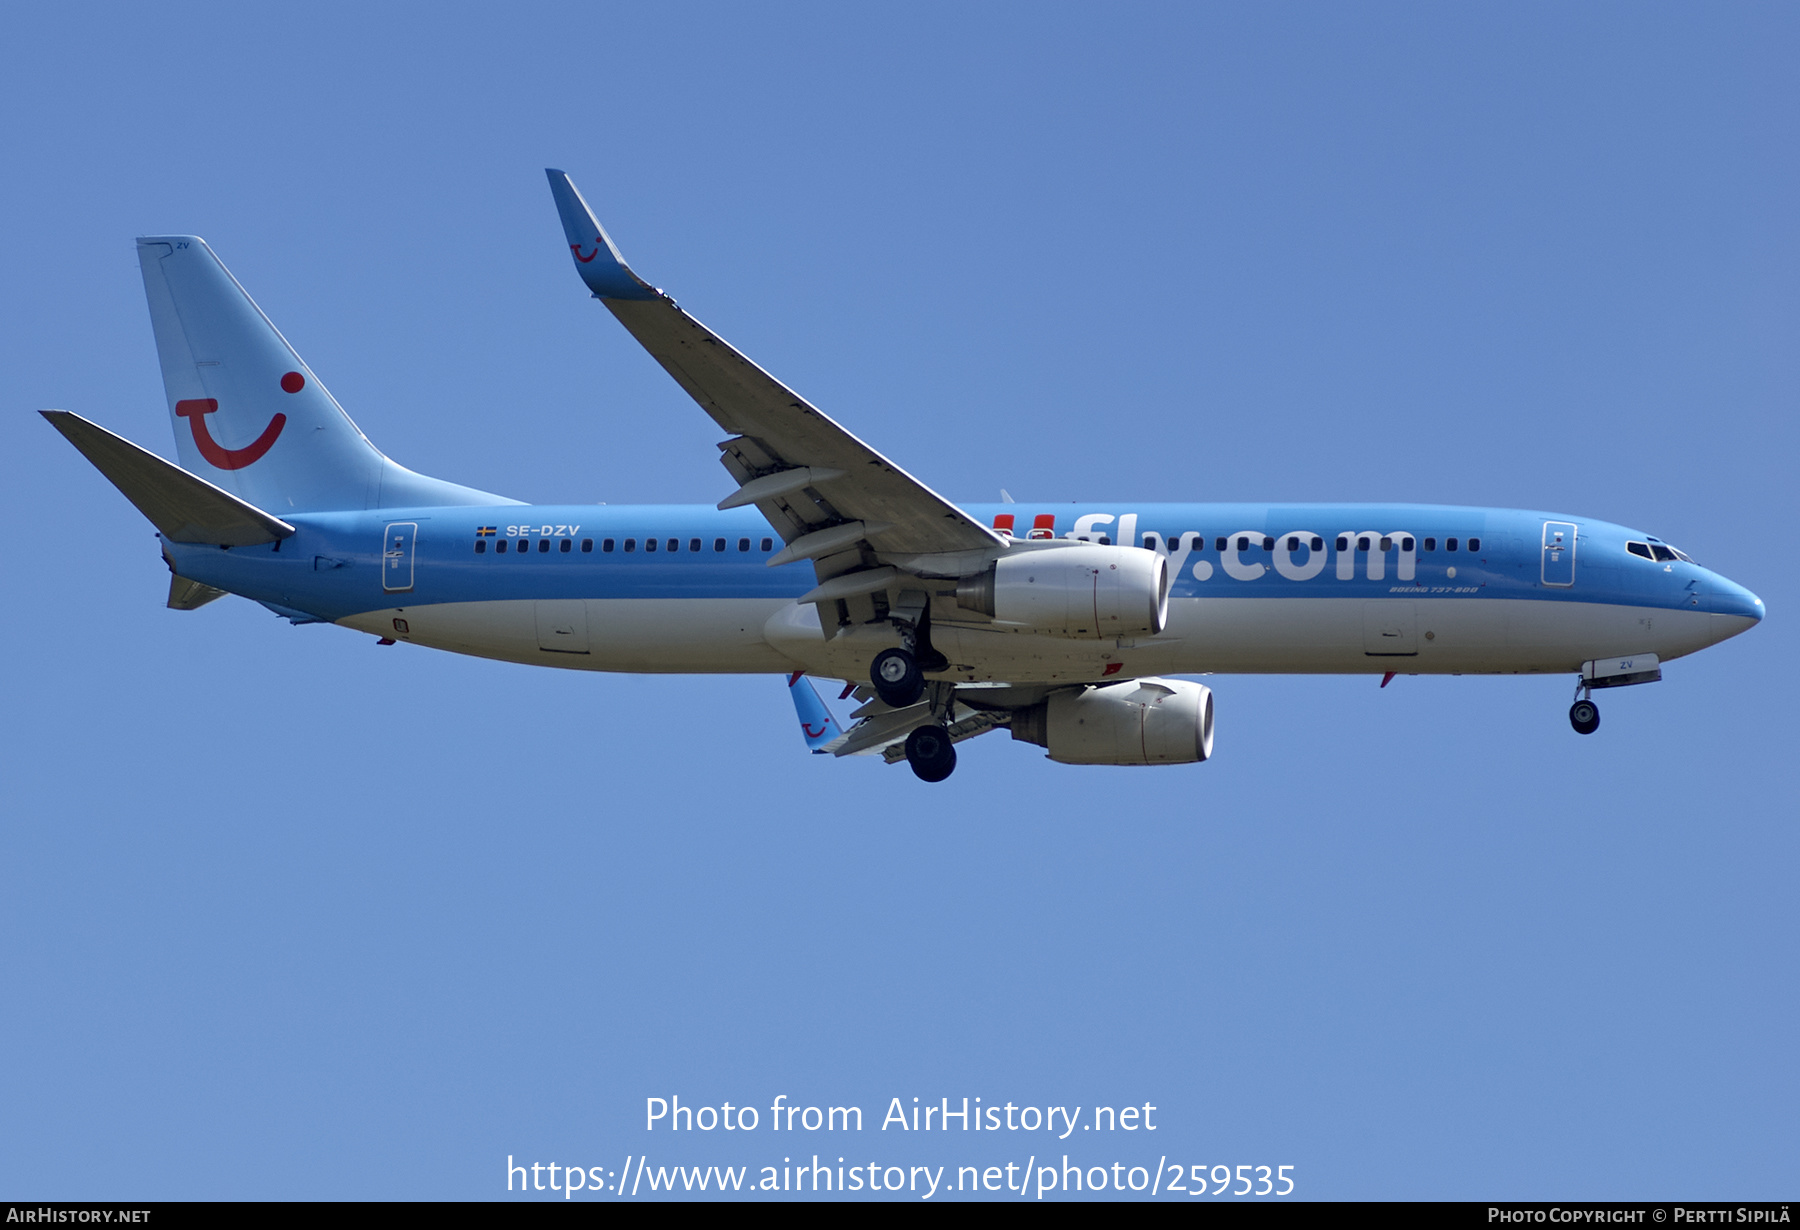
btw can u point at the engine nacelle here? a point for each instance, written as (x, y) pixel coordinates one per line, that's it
(1087, 591)
(1141, 721)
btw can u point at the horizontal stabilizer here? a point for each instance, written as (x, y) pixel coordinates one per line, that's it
(182, 507)
(186, 595)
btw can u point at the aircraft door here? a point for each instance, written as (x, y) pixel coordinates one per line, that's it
(1559, 553)
(1390, 629)
(397, 556)
(562, 625)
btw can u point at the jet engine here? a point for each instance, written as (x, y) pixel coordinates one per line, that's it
(1142, 721)
(1087, 591)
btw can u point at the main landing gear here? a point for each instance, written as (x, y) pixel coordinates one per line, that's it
(897, 678)
(900, 683)
(1584, 714)
(931, 753)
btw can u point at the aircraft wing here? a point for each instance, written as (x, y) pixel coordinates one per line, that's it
(835, 500)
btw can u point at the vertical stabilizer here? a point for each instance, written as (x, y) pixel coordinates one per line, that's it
(249, 414)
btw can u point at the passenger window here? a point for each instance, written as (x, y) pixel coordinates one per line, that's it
(1387, 544)
(481, 546)
(649, 544)
(1293, 543)
(1449, 544)
(1219, 545)
(1197, 543)
(630, 545)
(1474, 544)
(1639, 548)
(743, 544)
(1663, 554)
(674, 544)
(1343, 542)
(568, 545)
(1406, 544)
(693, 544)
(1104, 541)
(587, 546)
(500, 547)
(1243, 543)
(1318, 544)
(768, 544)
(1149, 542)
(718, 544)
(606, 544)
(1268, 543)
(1364, 542)
(1431, 544)
(543, 545)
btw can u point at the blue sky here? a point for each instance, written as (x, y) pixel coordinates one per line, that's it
(285, 914)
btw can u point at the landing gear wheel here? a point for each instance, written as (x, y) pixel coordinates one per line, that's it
(897, 678)
(930, 753)
(1584, 716)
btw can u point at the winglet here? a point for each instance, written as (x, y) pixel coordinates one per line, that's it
(817, 725)
(596, 259)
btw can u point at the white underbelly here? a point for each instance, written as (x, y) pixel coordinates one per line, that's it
(1205, 635)
(1284, 636)
(1416, 636)
(700, 636)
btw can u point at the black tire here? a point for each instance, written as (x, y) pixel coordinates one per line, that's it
(897, 678)
(1584, 716)
(930, 753)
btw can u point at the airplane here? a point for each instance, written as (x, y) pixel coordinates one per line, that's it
(1062, 623)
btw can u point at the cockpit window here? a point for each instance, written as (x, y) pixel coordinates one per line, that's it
(1663, 554)
(1639, 548)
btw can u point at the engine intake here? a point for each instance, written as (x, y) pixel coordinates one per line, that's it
(1087, 590)
(1142, 721)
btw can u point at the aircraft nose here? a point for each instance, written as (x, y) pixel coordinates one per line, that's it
(1735, 602)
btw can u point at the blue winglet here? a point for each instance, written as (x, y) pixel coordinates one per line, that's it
(817, 725)
(596, 259)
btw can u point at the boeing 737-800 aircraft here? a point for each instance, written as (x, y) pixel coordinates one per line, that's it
(1057, 622)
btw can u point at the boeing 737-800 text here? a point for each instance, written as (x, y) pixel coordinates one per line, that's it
(1059, 623)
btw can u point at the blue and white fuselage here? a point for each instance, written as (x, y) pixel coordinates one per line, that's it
(687, 589)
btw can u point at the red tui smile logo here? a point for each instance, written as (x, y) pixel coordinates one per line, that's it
(576, 249)
(195, 410)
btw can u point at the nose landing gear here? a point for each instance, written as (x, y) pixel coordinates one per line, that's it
(1584, 714)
